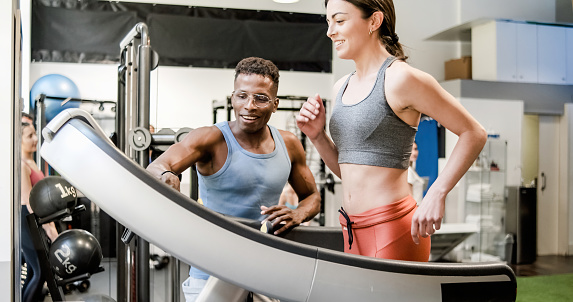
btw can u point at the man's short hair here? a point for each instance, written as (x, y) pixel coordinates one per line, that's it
(259, 66)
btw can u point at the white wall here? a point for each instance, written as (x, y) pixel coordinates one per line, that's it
(95, 81)
(499, 116)
(6, 20)
(417, 20)
(530, 148)
(569, 110)
(184, 95)
(566, 187)
(502, 117)
(180, 96)
(7, 10)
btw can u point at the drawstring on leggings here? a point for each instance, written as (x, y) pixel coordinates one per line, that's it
(348, 227)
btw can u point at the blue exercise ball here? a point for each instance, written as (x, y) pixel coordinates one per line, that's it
(55, 85)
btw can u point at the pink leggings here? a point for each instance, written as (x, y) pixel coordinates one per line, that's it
(384, 232)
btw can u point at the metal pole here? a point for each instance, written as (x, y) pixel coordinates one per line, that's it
(120, 106)
(40, 124)
(175, 280)
(142, 256)
(40, 244)
(126, 120)
(120, 122)
(130, 107)
(144, 72)
(131, 97)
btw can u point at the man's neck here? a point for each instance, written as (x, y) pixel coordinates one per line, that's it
(260, 142)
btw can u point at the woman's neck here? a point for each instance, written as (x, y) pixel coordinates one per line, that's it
(370, 60)
(27, 156)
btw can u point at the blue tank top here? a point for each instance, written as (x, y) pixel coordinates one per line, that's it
(245, 182)
(369, 132)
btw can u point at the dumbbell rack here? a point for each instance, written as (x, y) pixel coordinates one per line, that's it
(54, 282)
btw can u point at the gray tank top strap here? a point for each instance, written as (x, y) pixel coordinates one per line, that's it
(380, 76)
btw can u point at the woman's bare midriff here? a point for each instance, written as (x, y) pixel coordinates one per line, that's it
(368, 187)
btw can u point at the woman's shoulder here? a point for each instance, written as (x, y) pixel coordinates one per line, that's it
(405, 78)
(406, 72)
(340, 82)
(26, 169)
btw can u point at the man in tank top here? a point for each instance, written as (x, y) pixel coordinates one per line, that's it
(243, 165)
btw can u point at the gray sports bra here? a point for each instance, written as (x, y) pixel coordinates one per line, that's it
(369, 132)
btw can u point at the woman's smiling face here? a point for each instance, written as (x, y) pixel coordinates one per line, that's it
(346, 28)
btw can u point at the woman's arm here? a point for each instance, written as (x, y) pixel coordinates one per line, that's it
(311, 120)
(417, 92)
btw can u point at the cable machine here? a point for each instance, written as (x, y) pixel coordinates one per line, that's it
(137, 60)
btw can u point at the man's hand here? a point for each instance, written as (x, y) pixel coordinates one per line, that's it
(171, 180)
(281, 214)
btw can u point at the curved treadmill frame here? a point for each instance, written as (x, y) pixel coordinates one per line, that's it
(77, 148)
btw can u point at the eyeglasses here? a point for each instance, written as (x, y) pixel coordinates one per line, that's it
(260, 100)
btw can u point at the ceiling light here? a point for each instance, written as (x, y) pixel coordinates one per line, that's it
(285, 1)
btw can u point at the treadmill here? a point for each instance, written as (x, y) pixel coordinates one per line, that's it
(236, 251)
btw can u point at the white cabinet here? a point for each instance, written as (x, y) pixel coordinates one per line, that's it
(552, 54)
(505, 46)
(569, 47)
(512, 51)
(504, 51)
(485, 52)
(526, 53)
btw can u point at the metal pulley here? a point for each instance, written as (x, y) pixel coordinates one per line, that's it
(181, 133)
(139, 139)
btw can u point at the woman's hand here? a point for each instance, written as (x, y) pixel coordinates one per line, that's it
(428, 216)
(312, 117)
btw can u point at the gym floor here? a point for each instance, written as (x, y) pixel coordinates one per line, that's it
(105, 284)
(545, 265)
